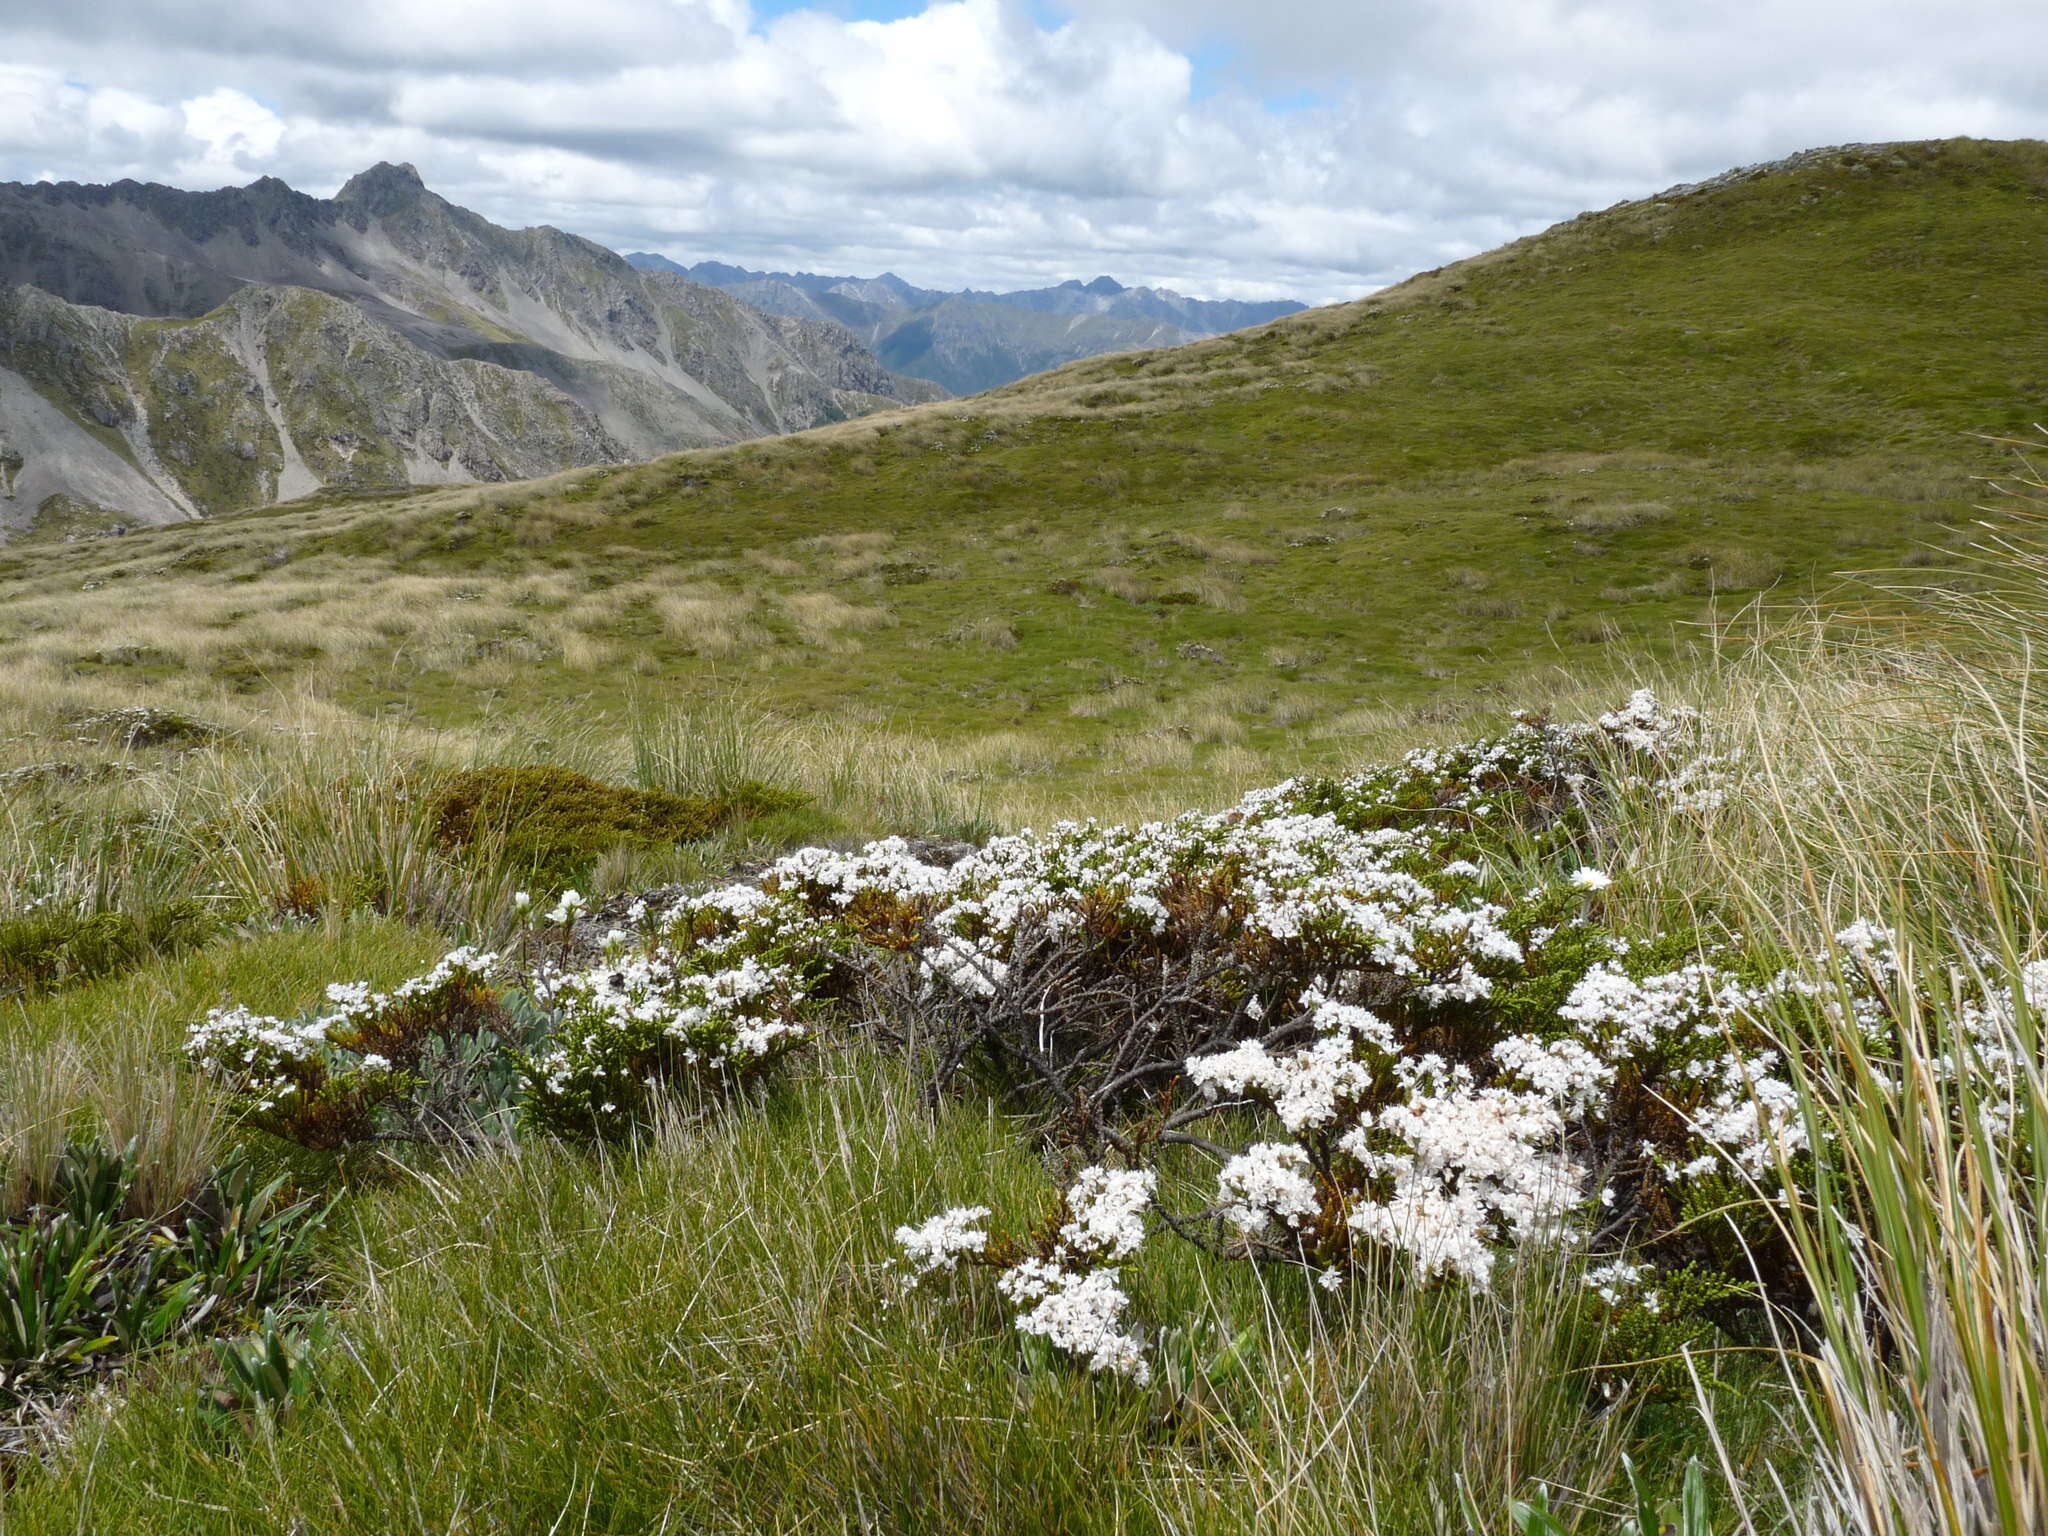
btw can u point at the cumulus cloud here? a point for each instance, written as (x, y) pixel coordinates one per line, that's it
(1314, 147)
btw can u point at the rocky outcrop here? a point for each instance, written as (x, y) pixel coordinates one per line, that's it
(278, 393)
(174, 354)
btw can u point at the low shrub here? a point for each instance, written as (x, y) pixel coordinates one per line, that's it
(140, 726)
(46, 948)
(1389, 1012)
(430, 1060)
(554, 822)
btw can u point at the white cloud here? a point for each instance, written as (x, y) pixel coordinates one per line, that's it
(990, 141)
(239, 135)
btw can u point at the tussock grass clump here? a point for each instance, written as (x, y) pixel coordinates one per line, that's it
(710, 621)
(826, 619)
(1616, 516)
(990, 632)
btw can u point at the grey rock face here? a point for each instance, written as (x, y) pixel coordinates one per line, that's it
(187, 353)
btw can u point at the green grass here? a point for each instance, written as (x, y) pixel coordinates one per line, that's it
(1538, 469)
(1628, 426)
(705, 1335)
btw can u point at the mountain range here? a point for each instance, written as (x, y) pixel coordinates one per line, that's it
(970, 340)
(168, 354)
(1607, 439)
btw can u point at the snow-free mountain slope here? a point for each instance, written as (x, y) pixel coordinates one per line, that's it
(1617, 432)
(237, 347)
(971, 340)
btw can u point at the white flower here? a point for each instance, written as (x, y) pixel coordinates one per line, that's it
(1107, 1207)
(964, 965)
(1562, 1071)
(1467, 1167)
(1615, 1282)
(1267, 1180)
(1077, 1313)
(941, 1241)
(1589, 879)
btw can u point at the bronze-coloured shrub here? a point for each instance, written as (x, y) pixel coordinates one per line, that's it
(554, 821)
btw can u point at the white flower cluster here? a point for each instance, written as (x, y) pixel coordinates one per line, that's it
(266, 1057)
(968, 967)
(1466, 1168)
(611, 1016)
(1106, 1207)
(233, 1042)
(1304, 1087)
(1682, 774)
(1267, 1181)
(1078, 1311)
(1070, 1297)
(1645, 724)
(356, 1005)
(1621, 1281)
(839, 878)
(940, 1243)
(1292, 878)
(1442, 1173)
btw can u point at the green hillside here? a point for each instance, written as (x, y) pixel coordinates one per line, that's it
(1603, 435)
(1617, 1120)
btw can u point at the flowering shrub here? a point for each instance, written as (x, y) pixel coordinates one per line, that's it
(1350, 996)
(716, 989)
(365, 1066)
(1438, 1063)
(1064, 1282)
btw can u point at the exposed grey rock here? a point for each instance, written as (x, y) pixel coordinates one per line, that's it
(169, 354)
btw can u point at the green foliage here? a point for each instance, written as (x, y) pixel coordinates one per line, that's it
(84, 1287)
(1691, 1515)
(46, 948)
(433, 1060)
(676, 1017)
(720, 1301)
(554, 822)
(1644, 1339)
(265, 1375)
(1635, 440)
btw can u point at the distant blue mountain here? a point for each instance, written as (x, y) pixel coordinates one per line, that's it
(974, 340)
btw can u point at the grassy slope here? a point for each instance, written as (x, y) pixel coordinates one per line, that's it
(704, 1336)
(1607, 430)
(706, 1315)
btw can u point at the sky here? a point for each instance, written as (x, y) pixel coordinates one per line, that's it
(1314, 149)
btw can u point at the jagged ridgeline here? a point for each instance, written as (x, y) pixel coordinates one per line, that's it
(1598, 437)
(972, 341)
(166, 354)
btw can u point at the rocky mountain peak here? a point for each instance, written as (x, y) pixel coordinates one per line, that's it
(383, 188)
(382, 338)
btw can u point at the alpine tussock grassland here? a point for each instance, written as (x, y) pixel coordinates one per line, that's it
(1623, 1113)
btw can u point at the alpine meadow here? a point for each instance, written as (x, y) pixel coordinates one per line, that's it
(1427, 917)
